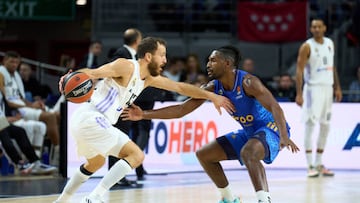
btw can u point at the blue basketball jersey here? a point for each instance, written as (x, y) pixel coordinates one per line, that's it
(249, 112)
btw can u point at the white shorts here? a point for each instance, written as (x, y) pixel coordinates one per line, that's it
(94, 134)
(317, 104)
(30, 113)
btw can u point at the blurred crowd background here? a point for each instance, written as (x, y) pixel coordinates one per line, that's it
(191, 28)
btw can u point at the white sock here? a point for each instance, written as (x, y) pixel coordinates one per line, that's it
(116, 172)
(226, 193)
(318, 160)
(72, 185)
(263, 196)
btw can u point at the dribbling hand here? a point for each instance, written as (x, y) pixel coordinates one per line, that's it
(61, 81)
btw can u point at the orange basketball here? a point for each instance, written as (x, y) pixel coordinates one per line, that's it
(77, 87)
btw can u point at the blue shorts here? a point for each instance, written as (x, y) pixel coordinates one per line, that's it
(233, 142)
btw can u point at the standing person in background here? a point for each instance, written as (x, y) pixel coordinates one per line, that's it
(90, 60)
(139, 130)
(315, 68)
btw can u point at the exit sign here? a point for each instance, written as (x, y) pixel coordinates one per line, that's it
(37, 9)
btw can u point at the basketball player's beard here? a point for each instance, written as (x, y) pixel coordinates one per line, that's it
(153, 68)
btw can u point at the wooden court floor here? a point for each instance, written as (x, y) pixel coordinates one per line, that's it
(285, 186)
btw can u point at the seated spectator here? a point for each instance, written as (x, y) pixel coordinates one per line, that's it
(31, 85)
(285, 90)
(9, 132)
(201, 80)
(354, 88)
(35, 130)
(175, 71)
(248, 66)
(19, 135)
(90, 60)
(192, 68)
(14, 93)
(67, 62)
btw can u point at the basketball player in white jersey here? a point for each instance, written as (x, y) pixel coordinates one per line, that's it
(91, 124)
(315, 68)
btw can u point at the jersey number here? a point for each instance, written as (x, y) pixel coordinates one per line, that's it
(131, 99)
(325, 61)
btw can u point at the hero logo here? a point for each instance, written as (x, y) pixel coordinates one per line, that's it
(183, 136)
(83, 89)
(353, 140)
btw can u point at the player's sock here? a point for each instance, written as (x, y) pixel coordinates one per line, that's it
(116, 172)
(81, 175)
(309, 158)
(226, 193)
(263, 196)
(318, 160)
(309, 128)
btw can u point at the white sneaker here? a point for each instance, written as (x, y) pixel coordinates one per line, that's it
(42, 169)
(92, 199)
(312, 172)
(25, 168)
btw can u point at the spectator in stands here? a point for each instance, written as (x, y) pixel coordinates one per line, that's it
(9, 132)
(201, 80)
(14, 93)
(248, 66)
(175, 71)
(131, 38)
(90, 60)
(33, 89)
(192, 68)
(354, 88)
(67, 62)
(285, 90)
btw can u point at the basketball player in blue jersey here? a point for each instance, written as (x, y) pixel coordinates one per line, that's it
(91, 125)
(265, 131)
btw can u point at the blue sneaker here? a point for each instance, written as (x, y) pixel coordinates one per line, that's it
(236, 200)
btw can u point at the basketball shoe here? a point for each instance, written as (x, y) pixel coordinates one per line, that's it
(236, 200)
(312, 172)
(25, 168)
(42, 169)
(324, 171)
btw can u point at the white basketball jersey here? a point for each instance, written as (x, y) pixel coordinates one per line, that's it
(320, 67)
(109, 98)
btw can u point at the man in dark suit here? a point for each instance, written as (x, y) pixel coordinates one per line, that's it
(139, 130)
(90, 59)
